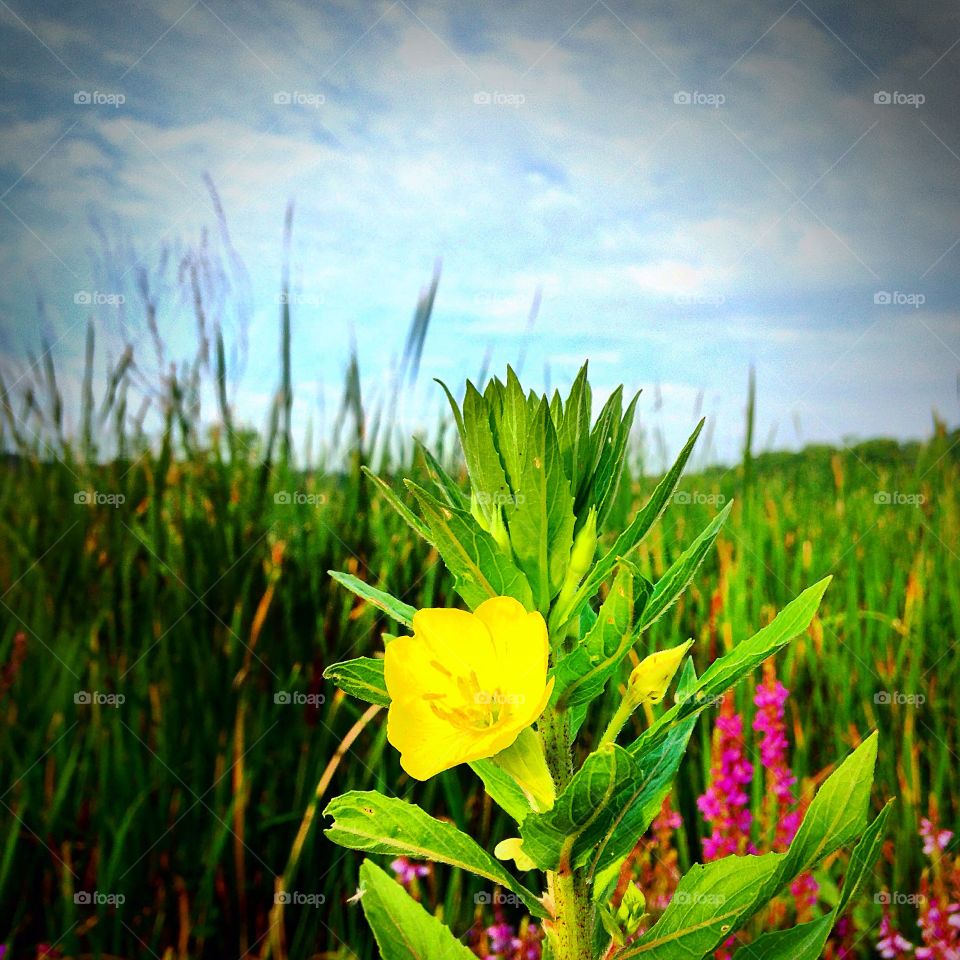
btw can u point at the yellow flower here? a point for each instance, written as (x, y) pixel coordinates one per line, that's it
(465, 685)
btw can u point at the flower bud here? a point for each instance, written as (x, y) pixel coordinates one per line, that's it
(498, 530)
(631, 911)
(524, 762)
(581, 557)
(584, 548)
(652, 676)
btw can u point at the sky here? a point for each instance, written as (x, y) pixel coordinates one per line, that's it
(684, 190)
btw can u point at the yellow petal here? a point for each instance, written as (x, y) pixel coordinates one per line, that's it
(512, 849)
(460, 641)
(522, 646)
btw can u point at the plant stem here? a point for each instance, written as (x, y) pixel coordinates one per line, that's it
(573, 912)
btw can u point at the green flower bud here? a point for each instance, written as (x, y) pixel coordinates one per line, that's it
(631, 911)
(584, 548)
(581, 557)
(498, 530)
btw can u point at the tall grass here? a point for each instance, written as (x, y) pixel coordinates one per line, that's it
(185, 573)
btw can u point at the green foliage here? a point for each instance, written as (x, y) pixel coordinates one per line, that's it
(200, 598)
(369, 821)
(402, 928)
(542, 479)
(715, 900)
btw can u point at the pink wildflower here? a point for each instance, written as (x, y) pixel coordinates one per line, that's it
(891, 945)
(725, 805)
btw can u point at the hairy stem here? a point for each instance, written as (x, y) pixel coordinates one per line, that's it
(573, 911)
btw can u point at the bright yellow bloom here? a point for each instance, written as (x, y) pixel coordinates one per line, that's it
(465, 685)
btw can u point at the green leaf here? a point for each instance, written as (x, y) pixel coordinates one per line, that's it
(412, 520)
(715, 900)
(659, 764)
(367, 820)
(503, 789)
(445, 484)
(541, 518)
(610, 468)
(631, 538)
(606, 807)
(725, 671)
(669, 587)
(601, 444)
(807, 940)
(397, 609)
(487, 478)
(402, 928)
(574, 434)
(512, 428)
(583, 673)
(566, 833)
(480, 568)
(361, 678)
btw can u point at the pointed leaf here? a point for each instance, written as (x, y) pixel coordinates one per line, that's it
(807, 940)
(402, 928)
(541, 518)
(361, 678)
(727, 670)
(367, 820)
(397, 609)
(480, 568)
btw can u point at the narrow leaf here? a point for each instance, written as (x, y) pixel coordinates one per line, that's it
(397, 609)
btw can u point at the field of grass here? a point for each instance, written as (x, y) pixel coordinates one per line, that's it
(167, 738)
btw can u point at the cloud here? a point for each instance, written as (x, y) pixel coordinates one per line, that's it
(672, 242)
